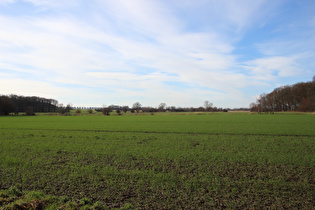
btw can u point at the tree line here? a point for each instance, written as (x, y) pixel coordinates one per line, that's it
(27, 104)
(296, 97)
(137, 107)
(33, 104)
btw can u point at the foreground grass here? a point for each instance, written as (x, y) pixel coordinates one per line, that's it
(13, 198)
(159, 161)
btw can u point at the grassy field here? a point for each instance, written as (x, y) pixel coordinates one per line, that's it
(158, 161)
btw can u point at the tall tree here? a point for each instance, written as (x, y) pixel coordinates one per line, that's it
(162, 107)
(6, 105)
(208, 105)
(297, 97)
(137, 106)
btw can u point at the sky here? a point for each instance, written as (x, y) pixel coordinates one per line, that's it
(182, 53)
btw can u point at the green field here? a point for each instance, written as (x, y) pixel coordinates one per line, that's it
(158, 161)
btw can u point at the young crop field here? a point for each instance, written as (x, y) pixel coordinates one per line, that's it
(158, 161)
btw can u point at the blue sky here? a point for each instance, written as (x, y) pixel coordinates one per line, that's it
(182, 53)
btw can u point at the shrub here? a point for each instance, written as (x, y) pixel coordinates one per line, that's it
(106, 111)
(64, 110)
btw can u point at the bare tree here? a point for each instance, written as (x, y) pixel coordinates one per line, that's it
(253, 107)
(137, 106)
(125, 109)
(162, 107)
(296, 97)
(208, 105)
(68, 108)
(64, 110)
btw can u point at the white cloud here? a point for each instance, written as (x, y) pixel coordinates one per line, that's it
(273, 66)
(140, 16)
(65, 50)
(135, 49)
(243, 13)
(6, 1)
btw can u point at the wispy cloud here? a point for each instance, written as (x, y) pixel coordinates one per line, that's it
(273, 67)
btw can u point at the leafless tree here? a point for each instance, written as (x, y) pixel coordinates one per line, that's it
(162, 107)
(137, 106)
(297, 97)
(125, 109)
(208, 105)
